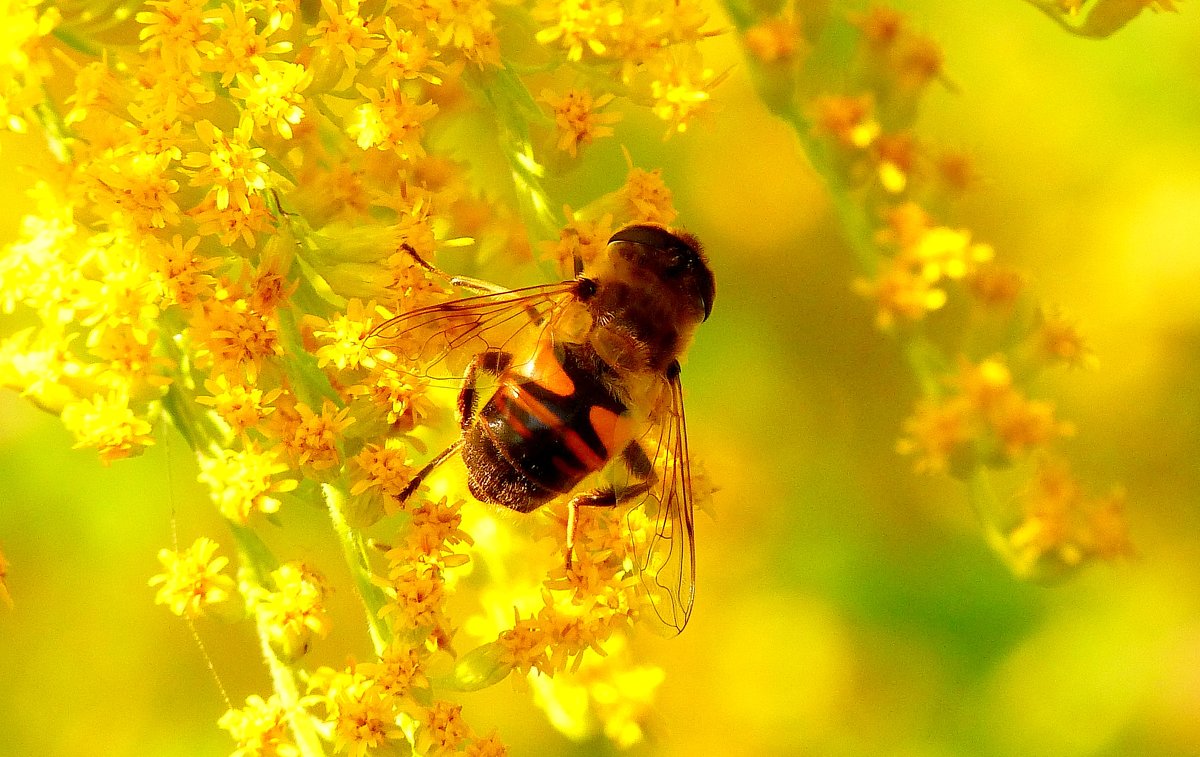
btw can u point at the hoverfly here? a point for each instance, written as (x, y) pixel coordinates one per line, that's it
(586, 380)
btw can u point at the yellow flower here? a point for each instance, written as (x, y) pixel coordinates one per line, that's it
(579, 238)
(681, 88)
(186, 275)
(406, 56)
(778, 39)
(260, 728)
(986, 414)
(577, 24)
(1059, 340)
(434, 528)
(443, 730)
(577, 116)
(488, 746)
(312, 440)
(416, 590)
(343, 35)
(230, 166)
(647, 197)
(242, 482)
(403, 399)
(400, 669)
(390, 121)
(271, 94)
(382, 467)
(294, 611)
(850, 120)
(108, 423)
(1062, 527)
(23, 64)
(175, 28)
(193, 581)
(343, 337)
(241, 406)
(239, 46)
(232, 339)
(937, 433)
(614, 697)
(524, 646)
(465, 25)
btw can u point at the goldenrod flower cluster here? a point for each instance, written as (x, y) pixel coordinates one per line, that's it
(974, 334)
(234, 183)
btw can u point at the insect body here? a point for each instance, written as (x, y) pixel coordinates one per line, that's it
(586, 380)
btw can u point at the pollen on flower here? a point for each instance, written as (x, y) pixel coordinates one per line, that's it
(192, 580)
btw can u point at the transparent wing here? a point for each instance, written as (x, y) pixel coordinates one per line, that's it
(438, 341)
(667, 558)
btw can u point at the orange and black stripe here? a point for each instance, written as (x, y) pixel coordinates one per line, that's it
(557, 426)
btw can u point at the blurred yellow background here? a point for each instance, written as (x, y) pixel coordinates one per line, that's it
(845, 606)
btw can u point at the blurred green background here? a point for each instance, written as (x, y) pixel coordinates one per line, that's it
(845, 606)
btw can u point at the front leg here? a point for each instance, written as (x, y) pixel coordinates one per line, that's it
(639, 465)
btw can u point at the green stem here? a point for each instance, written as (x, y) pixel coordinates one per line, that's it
(982, 497)
(257, 562)
(284, 682)
(355, 553)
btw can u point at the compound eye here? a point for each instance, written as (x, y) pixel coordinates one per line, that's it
(651, 236)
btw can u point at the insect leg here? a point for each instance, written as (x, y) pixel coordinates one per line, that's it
(418, 479)
(639, 465)
(494, 362)
(463, 282)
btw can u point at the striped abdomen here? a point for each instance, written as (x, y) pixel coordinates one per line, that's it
(550, 424)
